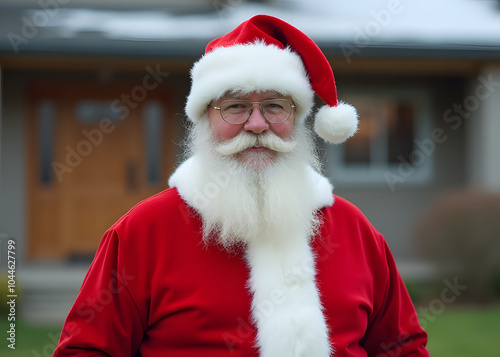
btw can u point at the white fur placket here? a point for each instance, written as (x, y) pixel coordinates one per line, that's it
(286, 307)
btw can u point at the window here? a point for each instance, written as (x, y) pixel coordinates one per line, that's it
(45, 118)
(384, 150)
(92, 111)
(153, 120)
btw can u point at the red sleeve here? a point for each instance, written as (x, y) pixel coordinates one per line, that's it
(368, 308)
(394, 329)
(104, 320)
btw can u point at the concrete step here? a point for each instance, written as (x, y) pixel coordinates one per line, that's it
(47, 292)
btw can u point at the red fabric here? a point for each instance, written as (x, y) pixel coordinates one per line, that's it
(155, 290)
(274, 31)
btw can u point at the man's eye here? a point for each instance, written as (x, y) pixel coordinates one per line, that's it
(274, 107)
(237, 105)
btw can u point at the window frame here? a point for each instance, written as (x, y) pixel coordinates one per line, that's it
(375, 174)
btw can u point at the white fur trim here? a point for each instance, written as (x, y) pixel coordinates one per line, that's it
(336, 124)
(186, 178)
(286, 306)
(248, 68)
(323, 196)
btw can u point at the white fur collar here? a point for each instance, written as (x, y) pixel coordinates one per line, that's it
(187, 178)
(286, 306)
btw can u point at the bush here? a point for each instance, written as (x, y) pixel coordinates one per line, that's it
(461, 234)
(419, 291)
(496, 284)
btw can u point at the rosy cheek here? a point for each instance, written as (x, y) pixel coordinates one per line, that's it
(224, 131)
(283, 130)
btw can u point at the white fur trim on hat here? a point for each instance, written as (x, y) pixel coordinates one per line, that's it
(336, 124)
(249, 68)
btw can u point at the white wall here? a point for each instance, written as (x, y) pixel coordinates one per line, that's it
(483, 102)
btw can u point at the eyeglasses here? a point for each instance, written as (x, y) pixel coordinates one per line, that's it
(237, 111)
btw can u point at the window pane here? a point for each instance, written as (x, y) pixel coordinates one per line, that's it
(46, 115)
(357, 148)
(92, 111)
(401, 133)
(360, 148)
(153, 117)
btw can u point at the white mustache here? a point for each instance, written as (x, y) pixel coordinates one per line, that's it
(246, 140)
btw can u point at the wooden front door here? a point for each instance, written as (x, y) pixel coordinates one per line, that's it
(94, 152)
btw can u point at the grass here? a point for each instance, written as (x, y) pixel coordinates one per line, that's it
(465, 332)
(31, 341)
(456, 332)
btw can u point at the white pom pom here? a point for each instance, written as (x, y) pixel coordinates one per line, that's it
(336, 124)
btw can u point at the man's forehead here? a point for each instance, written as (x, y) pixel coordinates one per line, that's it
(245, 95)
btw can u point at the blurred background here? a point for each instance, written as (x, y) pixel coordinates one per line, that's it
(91, 121)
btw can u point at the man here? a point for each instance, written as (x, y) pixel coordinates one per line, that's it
(249, 253)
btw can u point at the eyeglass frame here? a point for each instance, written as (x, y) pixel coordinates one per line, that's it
(252, 109)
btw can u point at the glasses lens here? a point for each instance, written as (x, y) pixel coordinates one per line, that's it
(276, 110)
(235, 111)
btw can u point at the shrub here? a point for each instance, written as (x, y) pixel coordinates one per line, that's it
(461, 234)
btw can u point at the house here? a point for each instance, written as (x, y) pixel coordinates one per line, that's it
(91, 119)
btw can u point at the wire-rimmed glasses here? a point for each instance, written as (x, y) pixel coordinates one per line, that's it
(237, 111)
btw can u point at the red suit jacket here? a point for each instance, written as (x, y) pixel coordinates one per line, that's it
(155, 289)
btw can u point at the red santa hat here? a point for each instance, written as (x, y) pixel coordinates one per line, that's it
(266, 53)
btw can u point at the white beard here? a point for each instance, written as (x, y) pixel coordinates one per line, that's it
(258, 192)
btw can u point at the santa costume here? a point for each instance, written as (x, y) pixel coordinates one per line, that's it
(228, 263)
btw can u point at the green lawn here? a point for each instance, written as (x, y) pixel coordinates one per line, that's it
(454, 332)
(32, 341)
(465, 332)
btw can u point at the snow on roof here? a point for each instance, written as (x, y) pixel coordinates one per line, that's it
(359, 22)
(421, 21)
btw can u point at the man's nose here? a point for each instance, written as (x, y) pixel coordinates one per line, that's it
(256, 123)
